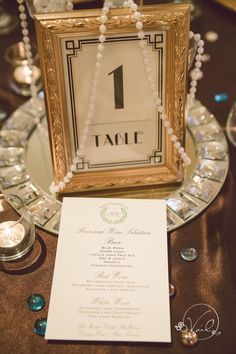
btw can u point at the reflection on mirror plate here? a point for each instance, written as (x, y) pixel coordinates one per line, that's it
(26, 168)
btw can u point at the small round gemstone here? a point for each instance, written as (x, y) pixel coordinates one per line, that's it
(172, 290)
(40, 326)
(35, 302)
(188, 254)
(220, 97)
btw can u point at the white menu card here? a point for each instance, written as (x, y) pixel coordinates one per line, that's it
(111, 273)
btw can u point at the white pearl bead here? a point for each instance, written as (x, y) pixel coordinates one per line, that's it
(158, 102)
(153, 87)
(101, 47)
(134, 7)
(97, 73)
(137, 15)
(166, 123)
(61, 185)
(56, 189)
(140, 34)
(148, 69)
(25, 32)
(163, 116)
(150, 78)
(73, 167)
(198, 57)
(102, 38)
(51, 189)
(193, 83)
(69, 6)
(22, 16)
(191, 34)
(69, 175)
(99, 56)
(21, 8)
(105, 10)
(173, 138)
(142, 43)
(103, 18)
(66, 179)
(181, 150)
(125, 4)
(145, 52)
(197, 37)
(193, 89)
(102, 29)
(187, 161)
(200, 50)
(146, 61)
(24, 24)
(201, 43)
(170, 131)
(139, 25)
(191, 95)
(177, 144)
(198, 64)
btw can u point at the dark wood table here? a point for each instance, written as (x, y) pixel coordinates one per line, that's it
(211, 279)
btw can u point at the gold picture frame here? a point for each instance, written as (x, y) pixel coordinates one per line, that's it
(67, 47)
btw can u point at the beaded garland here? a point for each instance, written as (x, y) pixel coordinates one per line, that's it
(40, 5)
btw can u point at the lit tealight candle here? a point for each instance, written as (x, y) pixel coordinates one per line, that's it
(11, 233)
(25, 74)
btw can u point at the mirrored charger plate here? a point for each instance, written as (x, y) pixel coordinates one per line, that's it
(26, 168)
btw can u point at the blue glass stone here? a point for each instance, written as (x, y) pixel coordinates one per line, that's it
(220, 97)
(188, 254)
(40, 326)
(35, 302)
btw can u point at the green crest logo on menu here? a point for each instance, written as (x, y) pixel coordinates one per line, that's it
(114, 213)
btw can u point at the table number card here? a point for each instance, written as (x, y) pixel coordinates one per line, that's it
(111, 273)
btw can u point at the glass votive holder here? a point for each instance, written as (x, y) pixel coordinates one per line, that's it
(22, 75)
(17, 230)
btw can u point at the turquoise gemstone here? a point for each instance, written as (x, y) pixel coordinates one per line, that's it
(189, 254)
(35, 302)
(40, 326)
(220, 97)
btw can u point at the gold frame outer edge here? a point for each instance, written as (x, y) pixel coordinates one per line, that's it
(174, 19)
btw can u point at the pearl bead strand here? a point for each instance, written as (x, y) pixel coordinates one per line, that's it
(195, 75)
